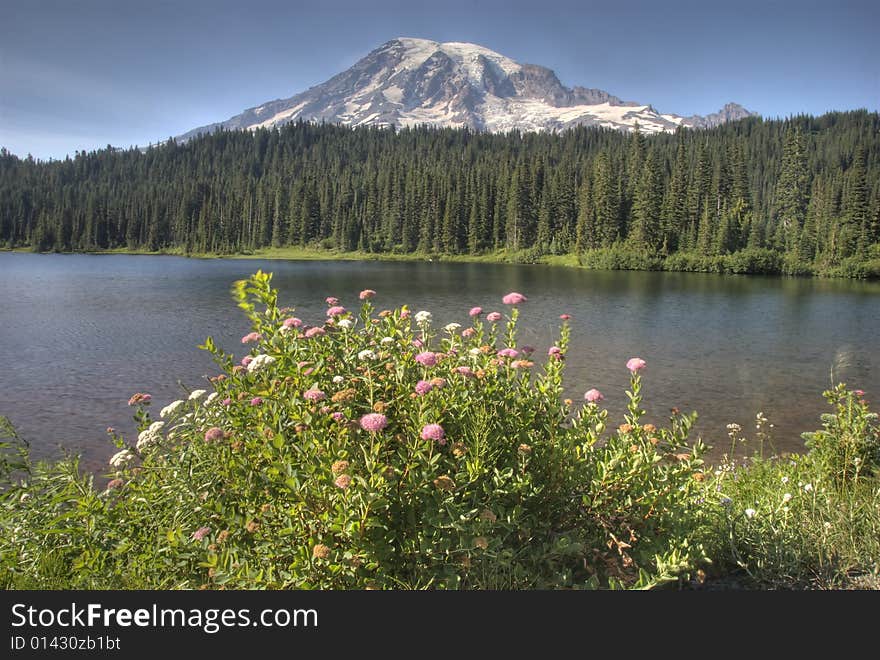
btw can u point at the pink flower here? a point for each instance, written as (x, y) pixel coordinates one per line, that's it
(251, 336)
(493, 317)
(554, 351)
(332, 301)
(256, 401)
(336, 310)
(201, 533)
(404, 313)
(141, 398)
(467, 333)
(426, 359)
(593, 396)
(475, 311)
(292, 322)
(434, 432)
(227, 401)
(213, 434)
(565, 317)
(635, 365)
(314, 394)
(338, 417)
(315, 332)
(246, 360)
(373, 422)
(465, 371)
(859, 393)
(508, 352)
(309, 371)
(514, 298)
(423, 387)
(418, 343)
(343, 481)
(366, 294)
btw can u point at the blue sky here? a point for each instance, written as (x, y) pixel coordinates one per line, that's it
(84, 74)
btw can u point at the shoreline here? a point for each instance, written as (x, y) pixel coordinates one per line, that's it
(594, 261)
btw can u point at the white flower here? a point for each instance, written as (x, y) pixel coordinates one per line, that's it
(452, 327)
(170, 409)
(808, 488)
(121, 458)
(195, 395)
(827, 525)
(345, 324)
(750, 513)
(786, 498)
(338, 379)
(785, 480)
(423, 317)
(259, 363)
(385, 341)
(211, 397)
(150, 436)
(475, 352)
(366, 354)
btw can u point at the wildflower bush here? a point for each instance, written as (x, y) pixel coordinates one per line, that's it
(370, 450)
(808, 520)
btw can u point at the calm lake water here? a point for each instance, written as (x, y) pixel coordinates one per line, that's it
(80, 333)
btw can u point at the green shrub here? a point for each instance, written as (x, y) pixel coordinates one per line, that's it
(278, 478)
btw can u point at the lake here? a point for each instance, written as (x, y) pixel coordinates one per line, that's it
(80, 333)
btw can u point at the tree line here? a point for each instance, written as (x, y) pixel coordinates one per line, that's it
(801, 194)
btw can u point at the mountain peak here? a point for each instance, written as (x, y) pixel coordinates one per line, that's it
(409, 81)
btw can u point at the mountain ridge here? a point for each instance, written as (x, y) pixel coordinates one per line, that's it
(410, 81)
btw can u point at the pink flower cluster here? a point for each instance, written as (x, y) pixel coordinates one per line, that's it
(366, 294)
(423, 387)
(635, 364)
(426, 359)
(314, 394)
(508, 352)
(434, 432)
(493, 317)
(251, 336)
(373, 422)
(475, 311)
(336, 310)
(213, 434)
(593, 396)
(292, 322)
(514, 298)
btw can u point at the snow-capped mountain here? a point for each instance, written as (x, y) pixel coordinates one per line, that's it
(406, 82)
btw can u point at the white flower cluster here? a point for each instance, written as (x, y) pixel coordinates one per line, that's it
(195, 395)
(171, 409)
(423, 318)
(366, 354)
(338, 379)
(385, 341)
(452, 327)
(345, 324)
(259, 363)
(121, 458)
(150, 436)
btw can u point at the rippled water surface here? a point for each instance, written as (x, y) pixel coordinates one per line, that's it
(80, 333)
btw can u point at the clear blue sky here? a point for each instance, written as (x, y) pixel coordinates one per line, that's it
(81, 74)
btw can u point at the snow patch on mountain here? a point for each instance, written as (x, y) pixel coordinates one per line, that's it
(410, 81)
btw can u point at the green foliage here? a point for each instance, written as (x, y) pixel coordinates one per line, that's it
(806, 190)
(266, 483)
(811, 520)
